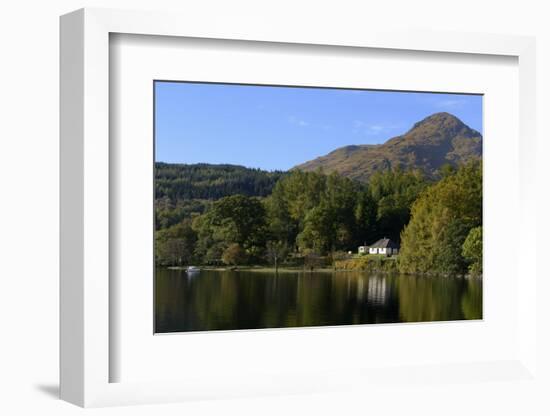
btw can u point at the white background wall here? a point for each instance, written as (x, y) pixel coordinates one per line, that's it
(29, 185)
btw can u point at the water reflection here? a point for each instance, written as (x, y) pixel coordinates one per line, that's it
(377, 292)
(224, 300)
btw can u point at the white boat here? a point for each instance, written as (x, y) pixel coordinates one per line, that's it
(192, 269)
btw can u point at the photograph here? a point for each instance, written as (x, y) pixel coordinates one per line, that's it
(292, 206)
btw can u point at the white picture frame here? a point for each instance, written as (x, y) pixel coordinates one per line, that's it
(136, 61)
(86, 356)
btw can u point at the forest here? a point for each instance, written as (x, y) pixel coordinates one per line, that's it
(235, 216)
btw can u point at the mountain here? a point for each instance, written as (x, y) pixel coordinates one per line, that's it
(431, 143)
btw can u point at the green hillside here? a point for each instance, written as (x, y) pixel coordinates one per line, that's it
(182, 190)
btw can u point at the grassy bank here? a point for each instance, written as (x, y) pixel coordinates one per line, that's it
(262, 269)
(370, 263)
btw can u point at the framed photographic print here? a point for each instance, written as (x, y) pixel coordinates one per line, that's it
(269, 212)
(255, 227)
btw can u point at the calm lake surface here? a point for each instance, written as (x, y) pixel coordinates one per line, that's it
(226, 300)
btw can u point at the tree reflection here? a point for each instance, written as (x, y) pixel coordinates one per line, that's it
(437, 298)
(223, 300)
(472, 305)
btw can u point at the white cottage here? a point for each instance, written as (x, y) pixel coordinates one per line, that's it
(382, 246)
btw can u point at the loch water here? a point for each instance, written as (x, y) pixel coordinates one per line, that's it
(248, 299)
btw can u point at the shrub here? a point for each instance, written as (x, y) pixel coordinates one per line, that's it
(370, 263)
(472, 250)
(234, 255)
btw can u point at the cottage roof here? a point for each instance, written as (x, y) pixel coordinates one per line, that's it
(384, 243)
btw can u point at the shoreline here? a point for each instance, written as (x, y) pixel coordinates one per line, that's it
(264, 269)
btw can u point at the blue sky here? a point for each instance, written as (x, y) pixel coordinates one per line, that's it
(279, 127)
